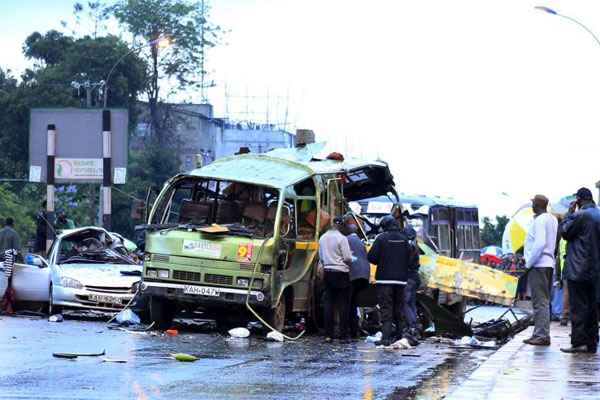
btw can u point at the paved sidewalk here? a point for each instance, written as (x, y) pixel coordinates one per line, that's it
(520, 371)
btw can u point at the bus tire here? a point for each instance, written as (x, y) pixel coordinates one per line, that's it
(162, 312)
(276, 316)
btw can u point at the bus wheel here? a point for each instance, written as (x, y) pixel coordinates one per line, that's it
(162, 312)
(276, 316)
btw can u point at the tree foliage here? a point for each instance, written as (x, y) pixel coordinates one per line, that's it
(186, 25)
(491, 234)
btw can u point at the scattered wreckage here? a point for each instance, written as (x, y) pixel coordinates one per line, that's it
(86, 268)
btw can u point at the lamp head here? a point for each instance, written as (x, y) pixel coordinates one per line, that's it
(546, 10)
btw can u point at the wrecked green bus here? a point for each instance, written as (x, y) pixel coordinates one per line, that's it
(243, 232)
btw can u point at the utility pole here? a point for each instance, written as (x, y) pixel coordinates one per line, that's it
(88, 86)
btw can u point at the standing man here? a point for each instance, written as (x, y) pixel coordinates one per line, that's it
(581, 230)
(360, 269)
(414, 281)
(540, 245)
(41, 220)
(394, 257)
(335, 256)
(10, 244)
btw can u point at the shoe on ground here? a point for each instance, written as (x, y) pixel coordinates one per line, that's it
(537, 341)
(564, 322)
(577, 349)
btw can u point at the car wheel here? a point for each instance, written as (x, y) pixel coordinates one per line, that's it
(162, 312)
(52, 308)
(276, 316)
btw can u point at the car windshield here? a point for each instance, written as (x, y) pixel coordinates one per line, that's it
(244, 209)
(92, 246)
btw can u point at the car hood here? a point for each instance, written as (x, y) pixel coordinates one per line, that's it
(108, 275)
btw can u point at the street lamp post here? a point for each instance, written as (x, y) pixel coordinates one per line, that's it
(549, 10)
(160, 42)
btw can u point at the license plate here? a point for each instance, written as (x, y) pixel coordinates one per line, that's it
(98, 298)
(201, 290)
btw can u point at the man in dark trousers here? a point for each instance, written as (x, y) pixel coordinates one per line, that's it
(335, 256)
(41, 220)
(394, 256)
(581, 230)
(360, 270)
(414, 281)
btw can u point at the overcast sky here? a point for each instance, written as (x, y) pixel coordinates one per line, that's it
(467, 98)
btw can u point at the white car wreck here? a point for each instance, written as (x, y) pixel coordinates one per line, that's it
(87, 268)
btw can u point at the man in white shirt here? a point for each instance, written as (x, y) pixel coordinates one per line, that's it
(540, 246)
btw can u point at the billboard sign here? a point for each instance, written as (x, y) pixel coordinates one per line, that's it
(78, 141)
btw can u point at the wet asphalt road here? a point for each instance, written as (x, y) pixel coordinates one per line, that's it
(227, 369)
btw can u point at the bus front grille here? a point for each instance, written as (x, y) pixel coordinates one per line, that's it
(218, 279)
(186, 276)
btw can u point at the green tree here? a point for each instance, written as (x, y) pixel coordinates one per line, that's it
(148, 169)
(59, 59)
(491, 233)
(186, 24)
(13, 206)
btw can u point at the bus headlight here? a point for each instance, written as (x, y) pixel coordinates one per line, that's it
(151, 273)
(163, 273)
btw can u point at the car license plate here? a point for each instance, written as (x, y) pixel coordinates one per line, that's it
(202, 290)
(98, 298)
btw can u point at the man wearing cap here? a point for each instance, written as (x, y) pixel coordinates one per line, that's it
(335, 256)
(581, 230)
(540, 245)
(395, 257)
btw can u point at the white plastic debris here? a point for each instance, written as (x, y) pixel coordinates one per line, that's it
(401, 344)
(374, 338)
(275, 336)
(239, 332)
(127, 317)
(56, 318)
(468, 341)
(472, 341)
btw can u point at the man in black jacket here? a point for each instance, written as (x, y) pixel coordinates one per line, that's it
(395, 257)
(581, 230)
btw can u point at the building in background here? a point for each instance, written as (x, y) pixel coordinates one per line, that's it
(197, 134)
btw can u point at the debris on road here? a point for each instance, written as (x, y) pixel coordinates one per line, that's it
(56, 318)
(374, 338)
(114, 360)
(239, 332)
(184, 357)
(127, 317)
(401, 344)
(275, 336)
(474, 343)
(75, 355)
(172, 332)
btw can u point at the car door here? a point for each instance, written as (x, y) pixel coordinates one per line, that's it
(31, 282)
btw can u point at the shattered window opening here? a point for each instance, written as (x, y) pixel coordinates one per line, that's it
(91, 247)
(243, 208)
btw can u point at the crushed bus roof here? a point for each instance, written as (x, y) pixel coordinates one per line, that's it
(278, 168)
